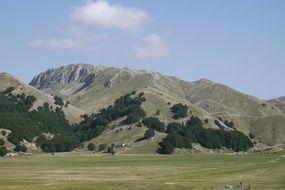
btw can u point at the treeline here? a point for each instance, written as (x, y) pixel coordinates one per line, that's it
(126, 106)
(30, 125)
(182, 136)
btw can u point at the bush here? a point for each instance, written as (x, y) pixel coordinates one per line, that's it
(58, 101)
(111, 150)
(139, 124)
(2, 142)
(20, 148)
(149, 133)
(157, 112)
(132, 118)
(3, 151)
(251, 136)
(102, 147)
(229, 124)
(165, 148)
(179, 111)
(4, 133)
(91, 147)
(154, 123)
(29, 100)
(9, 90)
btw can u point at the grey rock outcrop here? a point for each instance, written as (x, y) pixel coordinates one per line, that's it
(71, 74)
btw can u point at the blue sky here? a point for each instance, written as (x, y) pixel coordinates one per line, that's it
(237, 43)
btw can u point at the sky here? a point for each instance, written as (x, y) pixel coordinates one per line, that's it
(238, 43)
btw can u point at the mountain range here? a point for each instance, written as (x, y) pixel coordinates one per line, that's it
(90, 88)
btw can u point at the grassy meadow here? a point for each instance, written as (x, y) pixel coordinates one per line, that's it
(122, 172)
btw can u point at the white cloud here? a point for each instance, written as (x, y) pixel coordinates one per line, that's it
(56, 43)
(74, 42)
(104, 15)
(151, 47)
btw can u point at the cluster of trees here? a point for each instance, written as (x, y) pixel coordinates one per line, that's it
(179, 111)
(154, 123)
(27, 125)
(102, 148)
(127, 105)
(229, 124)
(182, 136)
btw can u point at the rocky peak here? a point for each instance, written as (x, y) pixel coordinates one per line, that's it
(69, 74)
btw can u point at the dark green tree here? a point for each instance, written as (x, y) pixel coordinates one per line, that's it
(149, 133)
(20, 148)
(179, 111)
(2, 142)
(154, 123)
(58, 101)
(102, 147)
(91, 147)
(3, 151)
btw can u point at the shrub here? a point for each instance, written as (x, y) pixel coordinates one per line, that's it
(111, 150)
(3, 151)
(154, 123)
(157, 112)
(179, 111)
(102, 147)
(139, 124)
(2, 142)
(58, 101)
(149, 133)
(20, 148)
(91, 147)
(9, 90)
(165, 148)
(4, 133)
(251, 136)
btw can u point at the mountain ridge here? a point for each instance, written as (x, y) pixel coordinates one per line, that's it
(205, 98)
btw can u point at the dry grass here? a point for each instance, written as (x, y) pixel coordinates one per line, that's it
(121, 172)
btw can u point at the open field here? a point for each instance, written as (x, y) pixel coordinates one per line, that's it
(90, 171)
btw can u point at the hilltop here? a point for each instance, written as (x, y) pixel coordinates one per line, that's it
(91, 88)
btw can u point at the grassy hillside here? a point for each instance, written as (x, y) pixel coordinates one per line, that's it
(149, 172)
(72, 113)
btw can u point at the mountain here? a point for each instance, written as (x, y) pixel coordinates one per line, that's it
(279, 102)
(6, 80)
(91, 88)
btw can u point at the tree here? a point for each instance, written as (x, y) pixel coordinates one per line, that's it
(9, 90)
(111, 150)
(132, 118)
(4, 133)
(3, 151)
(157, 112)
(91, 147)
(29, 100)
(251, 136)
(102, 147)
(154, 123)
(165, 148)
(58, 101)
(2, 142)
(149, 133)
(20, 148)
(179, 111)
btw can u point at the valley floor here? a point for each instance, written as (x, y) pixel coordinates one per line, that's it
(107, 172)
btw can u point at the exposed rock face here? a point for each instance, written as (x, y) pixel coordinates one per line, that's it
(81, 75)
(91, 88)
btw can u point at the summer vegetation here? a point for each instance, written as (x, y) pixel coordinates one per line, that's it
(48, 128)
